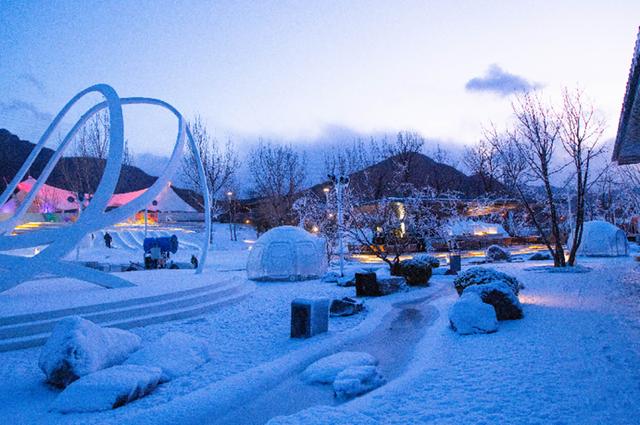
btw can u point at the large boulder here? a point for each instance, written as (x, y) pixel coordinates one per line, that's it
(501, 297)
(107, 389)
(175, 353)
(415, 271)
(356, 380)
(482, 276)
(78, 347)
(469, 315)
(497, 253)
(378, 286)
(325, 370)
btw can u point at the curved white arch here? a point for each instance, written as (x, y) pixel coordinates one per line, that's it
(62, 241)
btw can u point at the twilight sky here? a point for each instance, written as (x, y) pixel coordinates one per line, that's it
(300, 71)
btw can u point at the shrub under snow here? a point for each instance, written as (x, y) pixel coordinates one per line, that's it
(497, 253)
(482, 276)
(434, 262)
(107, 389)
(415, 272)
(500, 296)
(325, 370)
(469, 315)
(78, 347)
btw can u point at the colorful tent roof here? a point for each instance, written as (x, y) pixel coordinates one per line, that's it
(52, 199)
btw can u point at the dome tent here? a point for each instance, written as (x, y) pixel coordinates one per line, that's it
(602, 239)
(287, 253)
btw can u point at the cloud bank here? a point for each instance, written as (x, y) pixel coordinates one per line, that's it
(501, 82)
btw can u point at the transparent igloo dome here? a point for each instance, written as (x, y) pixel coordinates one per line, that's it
(287, 253)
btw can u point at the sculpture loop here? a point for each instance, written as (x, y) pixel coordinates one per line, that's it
(59, 242)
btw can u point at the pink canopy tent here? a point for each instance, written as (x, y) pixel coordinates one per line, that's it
(52, 199)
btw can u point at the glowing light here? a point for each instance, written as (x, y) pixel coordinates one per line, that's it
(315, 229)
(326, 189)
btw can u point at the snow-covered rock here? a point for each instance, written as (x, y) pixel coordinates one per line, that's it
(345, 307)
(78, 347)
(500, 296)
(357, 380)
(497, 253)
(175, 353)
(482, 276)
(323, 415)
(330, 277)
(325, 370)
(107, 389)
(540, 256)
(469, 315)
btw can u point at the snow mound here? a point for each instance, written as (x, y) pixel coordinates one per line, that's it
(175, 353)
(107, 389)
(602, 239)
(501, 297)
(497, 253)
(78, 347)
(469, 315)
(325, 370)
(322, 415)
(357, 380)
(482, 276)
(287, 253)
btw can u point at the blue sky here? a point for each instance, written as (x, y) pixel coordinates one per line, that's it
(298, 70)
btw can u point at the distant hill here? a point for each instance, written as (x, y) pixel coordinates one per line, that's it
(422, 172)
(13, 153)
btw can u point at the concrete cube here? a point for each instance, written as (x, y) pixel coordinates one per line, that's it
(309, 317)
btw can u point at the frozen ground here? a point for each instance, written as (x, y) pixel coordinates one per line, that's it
(573, 359)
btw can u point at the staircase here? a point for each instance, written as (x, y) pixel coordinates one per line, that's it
(32, 330)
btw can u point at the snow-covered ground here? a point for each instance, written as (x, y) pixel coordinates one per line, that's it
(574, 358)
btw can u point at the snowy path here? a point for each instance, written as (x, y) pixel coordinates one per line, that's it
(392, 342)
(573, 359)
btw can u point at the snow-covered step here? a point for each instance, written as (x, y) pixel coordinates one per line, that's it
(194, 310)
(112, 314)
(86, 309)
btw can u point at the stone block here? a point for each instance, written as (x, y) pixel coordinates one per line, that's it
(309, 317)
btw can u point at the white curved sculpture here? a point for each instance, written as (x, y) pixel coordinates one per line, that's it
(59, 242)
(287, 253)
(602, 239)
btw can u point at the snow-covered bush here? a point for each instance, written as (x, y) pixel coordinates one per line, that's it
(175, 353)
(500, 296)
(482, 276)
(325, 370)
(434, 262)
(78, 347)
(107, 389)
(416, 272)
(357, 380)
(469, 315)
(497, 253)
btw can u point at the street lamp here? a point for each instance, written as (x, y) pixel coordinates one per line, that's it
(231, 226)
(339, 183)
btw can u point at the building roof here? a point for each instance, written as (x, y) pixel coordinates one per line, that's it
(627, 146)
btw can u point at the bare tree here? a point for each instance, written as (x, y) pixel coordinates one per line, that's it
(526, 156)
(581, 128)
(220, 163)
(278, 173)
(482, 161)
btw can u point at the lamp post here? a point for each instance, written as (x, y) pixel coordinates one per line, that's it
(229, 197)
(340, 183)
